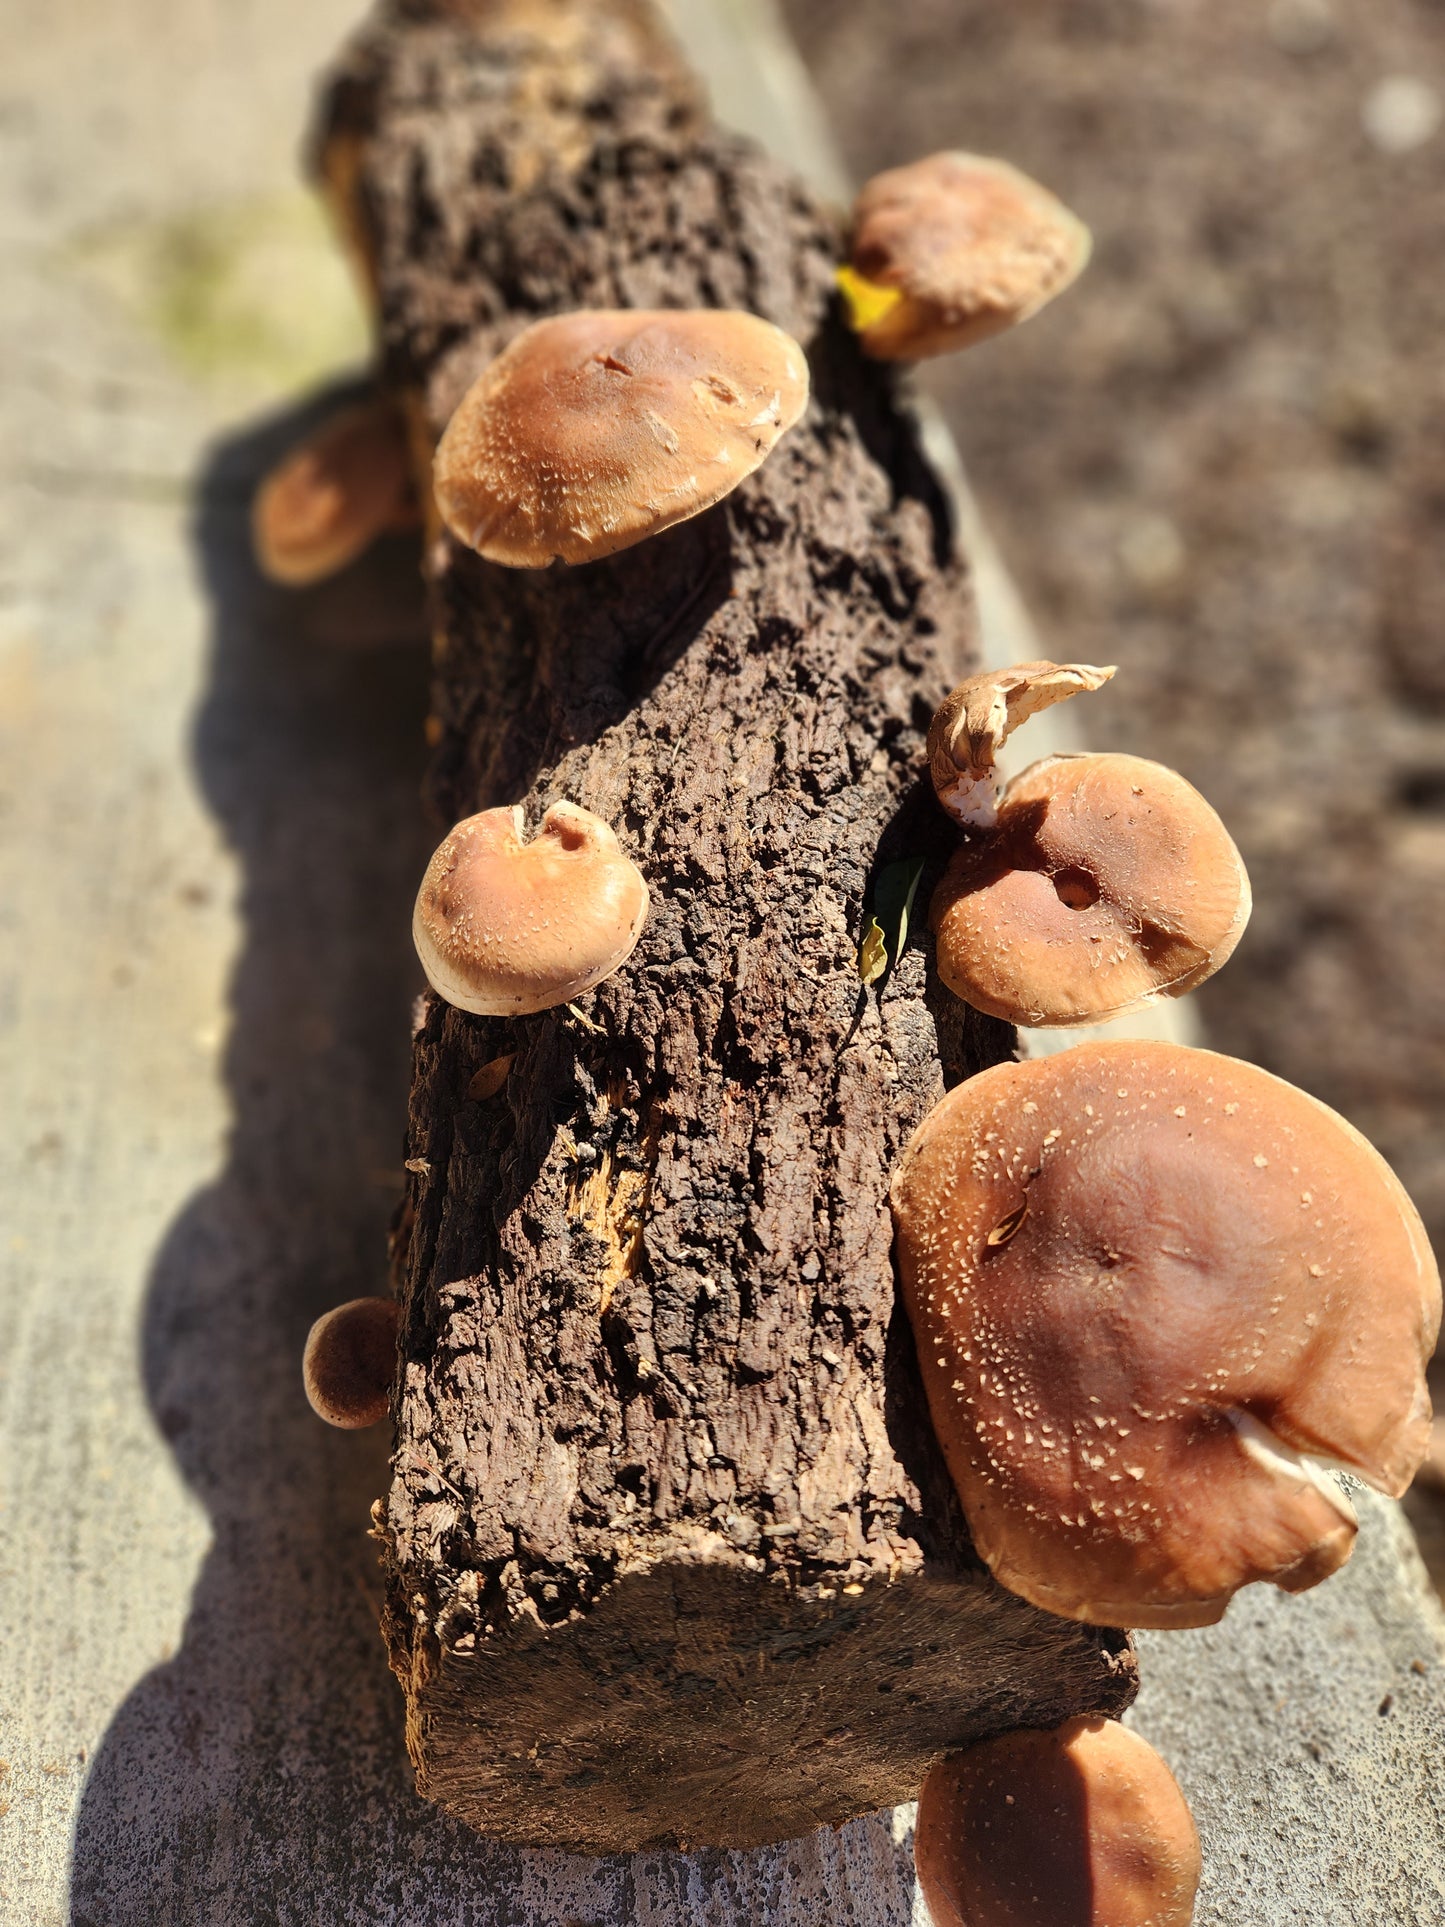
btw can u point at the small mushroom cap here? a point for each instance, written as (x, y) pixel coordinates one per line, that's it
(1152, 1290)
(328, 500)
(953, 249)
(350, 1362)
(974, 721)
(593, 431)
(1106, 883)
(504, 927)
(1080, 1826)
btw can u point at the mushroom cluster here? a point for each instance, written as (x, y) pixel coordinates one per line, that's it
(1160, 1298)
(1091, 885)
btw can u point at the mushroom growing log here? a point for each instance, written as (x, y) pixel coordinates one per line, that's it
(671, 1552)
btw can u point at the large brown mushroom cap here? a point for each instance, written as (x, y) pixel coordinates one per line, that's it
(504, 927)
(350, 1362)
(1151, 1287)
(952, 249)
(1106, 883)
(329, 499)
(595, 430)
(1081, 1826)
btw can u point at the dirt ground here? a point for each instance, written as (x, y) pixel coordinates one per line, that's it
(1220, 463)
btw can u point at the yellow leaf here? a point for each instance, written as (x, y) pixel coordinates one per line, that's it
(866, 301)
(873, 956)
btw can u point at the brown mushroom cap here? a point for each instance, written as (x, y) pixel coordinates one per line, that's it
(1106, 883)
(965, 246)
(330, 498)
(1081, 1826)
(595, 430)
(976, 719)
(1152, 1288)
(350, 1362)
(505, 927)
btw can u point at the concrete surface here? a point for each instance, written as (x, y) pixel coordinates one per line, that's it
(209, 839)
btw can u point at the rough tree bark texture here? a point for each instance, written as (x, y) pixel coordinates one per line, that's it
(670, 1552)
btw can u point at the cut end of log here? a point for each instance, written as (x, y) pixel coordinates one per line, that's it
(699, 1704)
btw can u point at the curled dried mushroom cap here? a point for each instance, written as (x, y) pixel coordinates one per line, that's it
(974, 721)
(504, 927)
(1107, 882)
(330, 498)
(1082, 1825)
(1155, 1291)
(350, 1362)
(952, 249)
(593, 431)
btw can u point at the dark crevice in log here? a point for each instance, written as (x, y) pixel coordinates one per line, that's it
(671, 1552)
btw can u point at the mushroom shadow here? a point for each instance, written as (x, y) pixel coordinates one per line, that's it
(919, 834)
(259, 1775)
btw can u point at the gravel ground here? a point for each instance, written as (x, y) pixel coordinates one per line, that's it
(1220, 461)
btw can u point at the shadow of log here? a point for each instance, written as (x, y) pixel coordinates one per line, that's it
(260, 1774)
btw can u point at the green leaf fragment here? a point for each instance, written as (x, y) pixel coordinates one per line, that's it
(886, 937)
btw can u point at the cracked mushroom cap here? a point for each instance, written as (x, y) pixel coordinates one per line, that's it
(350, 1362)
(331, 497)
(504, 927)
(1107, 882)
(1082, 1825)
(593, 431)
(976, 719)
(952, 249)
(1155, 1292)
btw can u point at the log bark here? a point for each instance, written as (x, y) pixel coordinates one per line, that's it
(671, 1555)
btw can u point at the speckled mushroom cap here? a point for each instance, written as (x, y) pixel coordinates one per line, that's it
(329, 499)
(593, 431)
(1082, 1825)
(952, 249)
(1150, 1288)
(504, 927)
(1106, 883)
(350, 1362)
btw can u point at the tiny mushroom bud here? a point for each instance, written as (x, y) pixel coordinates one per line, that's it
(593, 431)
(953, 249)
(505, 927)
(1081, 1826)
(1108, 882)
(327, 501)
(350, 1362)
(1207, 1290)
(977, 719)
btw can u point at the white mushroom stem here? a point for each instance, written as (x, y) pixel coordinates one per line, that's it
(971, 798)
(1267, 1449)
